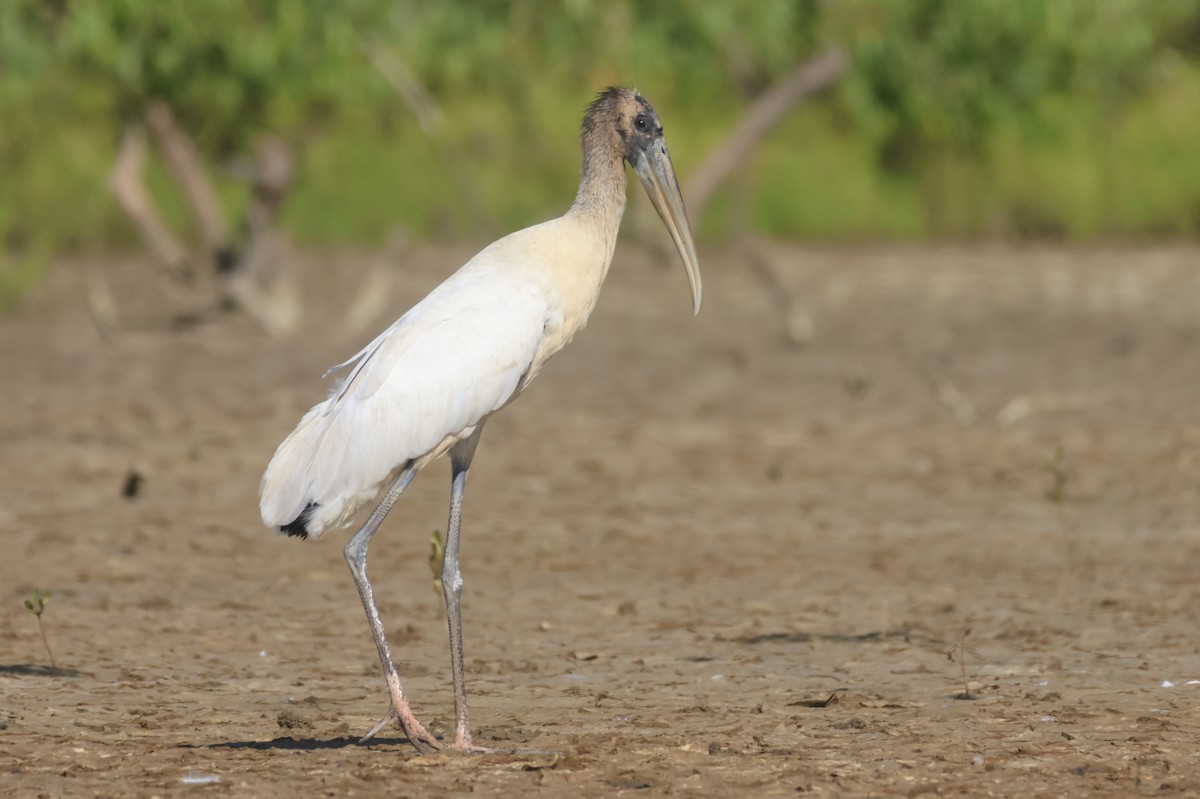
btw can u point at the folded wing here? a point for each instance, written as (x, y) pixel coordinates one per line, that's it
(444, 366)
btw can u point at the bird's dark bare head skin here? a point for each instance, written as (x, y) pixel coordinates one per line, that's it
(621, 126)
(624, 121)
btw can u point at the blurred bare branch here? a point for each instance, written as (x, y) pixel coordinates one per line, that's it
(261, 280)
(395, 70)
(948, 394)
(796, 318)
(727, 160)
(102, 305)
(1025, 405)
(376, 292)
(264, 286)
(179, 154)
(392, 68)
(728, 157)
(125, 183)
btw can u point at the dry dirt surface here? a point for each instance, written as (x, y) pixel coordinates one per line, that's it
(949, 546)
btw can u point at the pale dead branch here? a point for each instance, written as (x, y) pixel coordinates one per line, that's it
(263, 284)
(949, 395)
(262, 280)
(798, 324)
(736, 150)
(1026, 405)
(103, 306)
(392, 68)
(376, 291)
(179, 155)
(728, 160)
(125, 183)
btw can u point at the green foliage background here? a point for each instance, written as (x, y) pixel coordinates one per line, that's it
(960, 118)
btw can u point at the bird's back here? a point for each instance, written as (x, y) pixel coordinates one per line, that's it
(455, 357)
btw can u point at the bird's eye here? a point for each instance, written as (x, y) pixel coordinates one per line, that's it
(641, 122)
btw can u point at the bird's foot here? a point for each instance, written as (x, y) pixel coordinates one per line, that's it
(475, 750)
(469, 748)
(421, 739)
(464, 746)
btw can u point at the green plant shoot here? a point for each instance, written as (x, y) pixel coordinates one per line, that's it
(36, 604)
(437, 555)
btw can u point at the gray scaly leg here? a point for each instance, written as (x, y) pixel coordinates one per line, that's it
(356, 556)
(452, 583)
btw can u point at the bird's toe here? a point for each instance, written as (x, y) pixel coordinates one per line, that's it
(422, 740)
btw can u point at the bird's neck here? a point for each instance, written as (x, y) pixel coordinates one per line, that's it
(601, 196)
(585, 250)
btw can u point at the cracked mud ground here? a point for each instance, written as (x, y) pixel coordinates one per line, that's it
(698, 562)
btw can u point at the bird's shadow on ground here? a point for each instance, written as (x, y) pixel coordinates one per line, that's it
(303, 744)
(314, 744)
(838, 638)
(34, 670)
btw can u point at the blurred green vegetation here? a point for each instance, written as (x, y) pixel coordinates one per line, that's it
(959, 118)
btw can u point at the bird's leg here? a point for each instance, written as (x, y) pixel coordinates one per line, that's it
(452, 583)
(356, 556)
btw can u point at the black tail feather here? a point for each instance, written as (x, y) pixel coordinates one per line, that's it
(296, 527)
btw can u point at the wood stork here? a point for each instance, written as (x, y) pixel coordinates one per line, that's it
(426, 385)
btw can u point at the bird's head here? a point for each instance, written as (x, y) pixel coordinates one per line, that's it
(624, 121)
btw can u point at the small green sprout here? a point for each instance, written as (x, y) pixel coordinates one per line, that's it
(36, 604)
(1059, 472)
(957, 654)
(437, 555)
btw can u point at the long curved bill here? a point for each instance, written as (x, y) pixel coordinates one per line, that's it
(657, 174)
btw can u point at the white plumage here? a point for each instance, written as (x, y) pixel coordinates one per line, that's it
(426, 385)
(456, 357)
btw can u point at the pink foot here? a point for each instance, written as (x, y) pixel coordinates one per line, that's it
(463, 745)
(421, 739)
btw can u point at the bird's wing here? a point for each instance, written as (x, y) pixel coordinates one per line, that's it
(456, 357)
